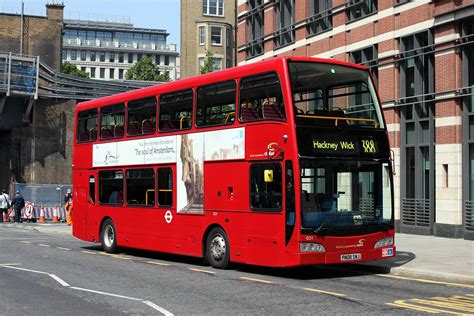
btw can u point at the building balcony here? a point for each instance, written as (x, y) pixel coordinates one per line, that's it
(117, 45)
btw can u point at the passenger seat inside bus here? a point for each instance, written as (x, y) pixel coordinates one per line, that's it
(308, 202)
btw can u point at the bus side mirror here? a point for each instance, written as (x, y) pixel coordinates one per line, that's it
(268, 175)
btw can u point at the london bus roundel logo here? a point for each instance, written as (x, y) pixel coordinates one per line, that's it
(168, 216)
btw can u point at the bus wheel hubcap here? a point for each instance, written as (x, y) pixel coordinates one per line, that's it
(218, 247)
(109, 236)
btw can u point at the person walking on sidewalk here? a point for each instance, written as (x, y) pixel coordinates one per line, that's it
(18, 203)
(4, 204)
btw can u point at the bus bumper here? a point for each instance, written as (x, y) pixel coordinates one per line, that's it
(337, 257)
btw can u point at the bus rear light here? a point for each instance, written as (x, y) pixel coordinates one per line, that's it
(384, 242)
(311, 247)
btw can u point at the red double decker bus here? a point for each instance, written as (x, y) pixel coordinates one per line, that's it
(284, 162)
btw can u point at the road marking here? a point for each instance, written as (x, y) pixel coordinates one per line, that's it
(23, 269)
(256, 280)
(25, 241)
(455, 304)
(43, 245)
(121, 257)
(88, 252)
(9, 264)
(203, 271)
(62, 248)
(426, 281)
(60, 281)
(105, 293)
(324, 292)
(158, 308)
(158, 263)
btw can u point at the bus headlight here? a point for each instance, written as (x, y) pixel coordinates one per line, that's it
(311, 247)
(384, 242)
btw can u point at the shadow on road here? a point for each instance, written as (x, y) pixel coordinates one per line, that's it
(299, 273)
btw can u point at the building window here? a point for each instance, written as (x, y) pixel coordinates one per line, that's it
(255, 28)
(120, 73)
(120, 57)
(216, 104)
(417, 132)
(130, 58)
(139, 57)
(467, 74)
(157, 59)
(83, 69)
(92, 56)
(92, 72)
(285, 18)
(111, 187)
(216, 35)
(102, 73)
(265, 186)
(167, 60)
(367, 57)
(141, 187)
(320, 19)
(73, 54)
(102, 56)
(111, 57)
(83, 55)
(112, 73)
(357, 9)
(202, 35)
(213, 7)
(64, 54)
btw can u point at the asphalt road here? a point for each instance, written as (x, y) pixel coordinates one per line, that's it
(56, 275)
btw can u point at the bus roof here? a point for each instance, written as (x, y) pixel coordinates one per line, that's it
(217, 76)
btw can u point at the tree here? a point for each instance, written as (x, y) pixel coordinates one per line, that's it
(70, 69)
(208, 63)
(145, 69)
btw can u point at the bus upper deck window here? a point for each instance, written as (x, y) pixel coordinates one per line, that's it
(141, 117)
(87, 126)
(176, 111)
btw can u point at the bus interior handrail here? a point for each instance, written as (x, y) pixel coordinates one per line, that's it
(337, 118)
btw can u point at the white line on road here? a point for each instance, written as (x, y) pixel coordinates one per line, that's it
(158, 263)
(256, 280)
(25, 242)
(60, 281)
(158, 308)
(62, 248)
(105, 293)
(201, 270)
(43, 245)
(23, 269)
(9, 264)
(88, 252)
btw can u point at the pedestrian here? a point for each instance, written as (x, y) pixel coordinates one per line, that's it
(18, 203)
(68, 206)
(4, 204)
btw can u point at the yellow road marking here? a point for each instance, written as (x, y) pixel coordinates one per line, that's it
(324, 292)
(204, 271)
(425, 281)
(158, 263)
(256, 280)
(121, 257)
(43, 245)
(62, 248)
(455, 305)
(25, 241)
(88, 252)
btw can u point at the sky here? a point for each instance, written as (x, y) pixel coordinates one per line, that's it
(156, 14)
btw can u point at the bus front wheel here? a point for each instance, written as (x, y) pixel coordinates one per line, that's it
(108, 236)
(217, 248)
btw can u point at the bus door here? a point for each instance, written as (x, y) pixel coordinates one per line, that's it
(265, 233)
(92, 230)
(165, 223)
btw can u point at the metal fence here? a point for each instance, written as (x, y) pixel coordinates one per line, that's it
(49, 195)
(19, 74)
(416, 212)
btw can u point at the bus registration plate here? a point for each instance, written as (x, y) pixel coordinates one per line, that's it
(351, 257)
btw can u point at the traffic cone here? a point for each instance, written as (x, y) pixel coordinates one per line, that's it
(55, 215)
(42, 214)
(5, 217)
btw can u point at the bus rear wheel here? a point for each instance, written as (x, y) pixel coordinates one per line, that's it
(108, 236)
(217, 248)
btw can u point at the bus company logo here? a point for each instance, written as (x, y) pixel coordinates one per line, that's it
(369, 146)
(358, 245)
(272, 148)
(109, 158)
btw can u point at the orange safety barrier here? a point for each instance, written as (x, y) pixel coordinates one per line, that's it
(4, 217)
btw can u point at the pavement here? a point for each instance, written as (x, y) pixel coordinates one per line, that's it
(424, 257)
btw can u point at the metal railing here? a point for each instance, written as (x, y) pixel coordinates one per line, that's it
(469, 215)
(416, 212)
(49, 195)
(21, 75)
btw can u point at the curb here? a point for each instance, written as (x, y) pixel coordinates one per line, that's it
(440, 277)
